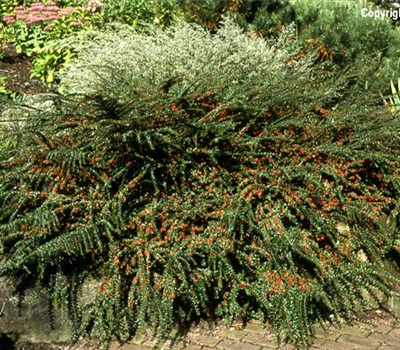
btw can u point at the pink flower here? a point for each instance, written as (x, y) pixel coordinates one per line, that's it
(39, 18)
(37, 5)
(22, 17)
(52, 8)
(9, 19)
(51, 3)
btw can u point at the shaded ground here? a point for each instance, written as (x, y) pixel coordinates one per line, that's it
(16, 68)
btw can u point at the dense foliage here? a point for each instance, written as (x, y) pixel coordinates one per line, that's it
(140, 12)
(264, 17)
(198, 175)
(339, 34)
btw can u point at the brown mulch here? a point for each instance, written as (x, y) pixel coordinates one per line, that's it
(17, 67)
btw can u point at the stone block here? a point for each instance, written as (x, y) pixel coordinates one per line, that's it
(258, 339)
(230, 345)
(358, 342)
(204, 340)
(133, 347)
(255, 328)
(355, 331)
(386, 339)
(236, 335)
(333, 345)
(193, 347)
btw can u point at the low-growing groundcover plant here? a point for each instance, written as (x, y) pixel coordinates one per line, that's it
(198, 175)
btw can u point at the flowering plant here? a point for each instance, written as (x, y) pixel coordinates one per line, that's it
(37, 12)
(32, 28)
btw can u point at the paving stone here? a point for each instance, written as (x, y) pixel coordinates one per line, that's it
(273, 346)
(231, 345)
(333, 345)
(360, 343)
(149, 343)
(355, 331)
(381, 328)
(320, 341)
(255, 328)
(258, 339)
(115, 345)
(236, 335)
(385, 338)
(133, 347)
(193, 347)
(395, 332)
(389, 347)
(287, 347)
(332, 333)
(204, 340)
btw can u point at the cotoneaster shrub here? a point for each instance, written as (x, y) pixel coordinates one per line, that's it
(195, 176)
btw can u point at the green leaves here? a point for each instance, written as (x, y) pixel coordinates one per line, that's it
(395, 100)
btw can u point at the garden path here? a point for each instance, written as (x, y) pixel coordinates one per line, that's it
(374, 330)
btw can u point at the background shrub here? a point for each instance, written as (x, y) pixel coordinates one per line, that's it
(198, 175)
(366, 44)
(267, 15)
(139, 12)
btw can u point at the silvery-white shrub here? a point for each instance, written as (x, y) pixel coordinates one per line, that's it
(122, 63)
